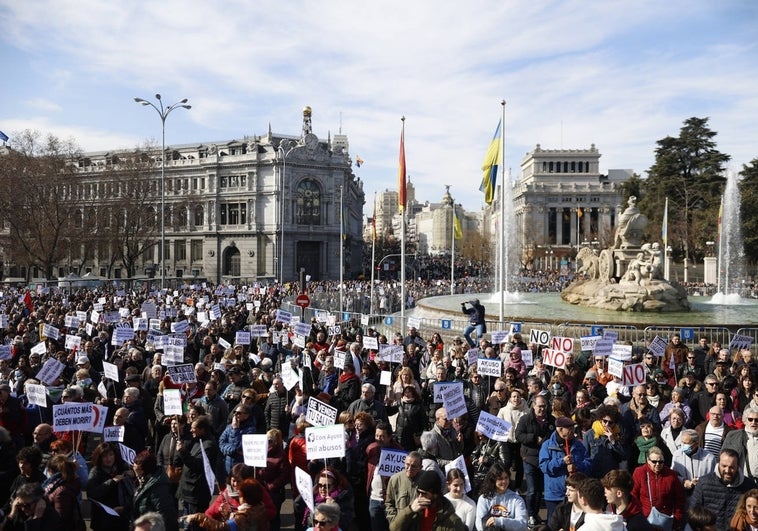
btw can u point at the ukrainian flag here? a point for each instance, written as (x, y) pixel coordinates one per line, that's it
(457, 228)
(492, 160)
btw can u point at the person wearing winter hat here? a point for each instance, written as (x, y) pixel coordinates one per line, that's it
(429, 509)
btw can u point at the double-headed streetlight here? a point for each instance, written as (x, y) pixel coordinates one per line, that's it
(284, 150)
(163, 112)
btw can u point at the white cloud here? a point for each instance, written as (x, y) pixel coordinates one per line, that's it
(621, 75)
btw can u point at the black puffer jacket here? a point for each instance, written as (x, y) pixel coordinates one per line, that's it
(411, 421)
(531, 433)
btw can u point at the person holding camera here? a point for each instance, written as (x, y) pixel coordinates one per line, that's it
(476, 321)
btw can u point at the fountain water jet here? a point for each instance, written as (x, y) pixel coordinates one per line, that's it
(731, 250)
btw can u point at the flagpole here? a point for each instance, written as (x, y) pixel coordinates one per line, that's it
(501, 232)
(373, 256)
(452, 254)
(402, 199)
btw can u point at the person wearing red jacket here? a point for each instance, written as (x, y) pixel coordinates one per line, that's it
(656, 485)
(228, 501)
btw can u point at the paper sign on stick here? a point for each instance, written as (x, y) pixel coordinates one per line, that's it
(255, 449)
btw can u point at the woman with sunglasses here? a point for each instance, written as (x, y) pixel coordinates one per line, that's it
(326, 518)
(329, 487)
(603, 442)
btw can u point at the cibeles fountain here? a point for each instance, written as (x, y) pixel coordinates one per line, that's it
(629, 275)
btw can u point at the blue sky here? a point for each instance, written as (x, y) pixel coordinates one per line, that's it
(617, 74)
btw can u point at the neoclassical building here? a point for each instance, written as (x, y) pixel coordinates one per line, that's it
(258, 208)
(562, 201)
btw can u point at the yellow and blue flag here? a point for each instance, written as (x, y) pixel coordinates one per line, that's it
(492, 160)
(457, 228)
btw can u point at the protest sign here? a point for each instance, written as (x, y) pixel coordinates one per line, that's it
(657, 346)
(554, 358)
(588, 342)
(385, 378)
(499, 337)
(370, 343)
(283, 317)
(36, 394)
(172, 402)
(320, 414)
(740, 342)
(304, 484)
(489, 367)
(255, 449)
(621, 351)
(210, 475)
(635, 374)
(303, 329)
(127, 454)
(390, 353)
(604, 347)
(75, 416)
(616, 367)
(454, 402)
(50, 371)
(493, 427)
(179, 327)
(72, 342)
(323, 442)
(259, 330)
(472, 355)
(460, 464)
(181, 374)
(242, 338)
(113, 434)
(527, 357)
(540, 337)
(50, 331)
(5, 352)
(111, 371)
(391, 462)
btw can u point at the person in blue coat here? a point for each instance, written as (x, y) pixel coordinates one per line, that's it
(557, 463)
(230, 442)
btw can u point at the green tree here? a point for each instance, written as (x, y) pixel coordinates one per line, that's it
(749, 215)
(688, 169)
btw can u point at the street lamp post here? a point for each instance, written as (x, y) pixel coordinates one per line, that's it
(163, 112)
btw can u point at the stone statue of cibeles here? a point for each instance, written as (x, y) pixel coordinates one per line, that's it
(627, 276)
(631, 225)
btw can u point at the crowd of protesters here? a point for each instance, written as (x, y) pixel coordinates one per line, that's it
(581, 447)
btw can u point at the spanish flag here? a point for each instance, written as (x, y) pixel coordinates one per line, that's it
(492, 159)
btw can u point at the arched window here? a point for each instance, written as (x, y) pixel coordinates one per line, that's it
(308, 203)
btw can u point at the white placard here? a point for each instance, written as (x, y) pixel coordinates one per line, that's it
(5, 352)
(320, 414)
(499, 337)
(527, 357)
(616, 367)
(283, 317)
(441, 387)
(242, 337)
(180, 327)
(127, 454)
(50, 331)
(370, 343)
(172, 355)
(554, 358)
(111, 371)
(72, 342)
(621, 351)
(304, 484)
(541, 337)
(604, 347)
(339, 359)
(390, 353)
(210, 476)
(563, 344)
(290, 376)
(472, 355)
(454, 402)
(140, 323)
(588, 342)
(323, 442)
(255, 449)
(36, 394)
(391, 462)
(40, 349)
(259, 331)
(50, 371)
(303, 329)
(489, 367)
(172, 402)
(658, 346)
(635, 374)
(223, 343)
(122, 334)
(73, 416)
(71, 321)
(385, 378)
(611, 334)
(113, 434)
(181, 374)
(215, 312)
(414, 322)
(493, 427)
(740, 342)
